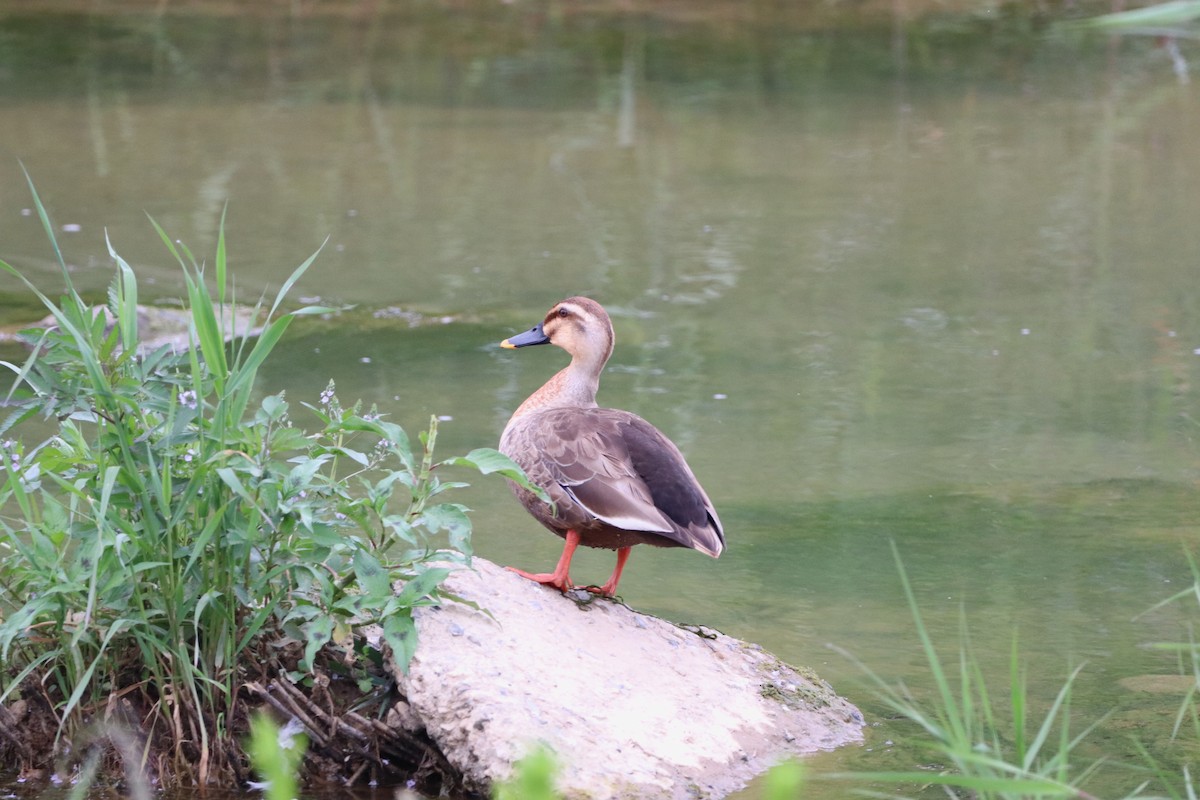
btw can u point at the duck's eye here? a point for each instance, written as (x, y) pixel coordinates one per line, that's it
(562, 312)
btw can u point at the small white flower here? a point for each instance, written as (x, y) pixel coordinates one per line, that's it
(188, 398)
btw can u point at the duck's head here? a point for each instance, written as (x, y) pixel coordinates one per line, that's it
(578, 325)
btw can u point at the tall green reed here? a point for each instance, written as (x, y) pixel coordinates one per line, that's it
(174, 538)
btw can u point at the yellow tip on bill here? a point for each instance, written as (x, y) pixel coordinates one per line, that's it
(508, 345)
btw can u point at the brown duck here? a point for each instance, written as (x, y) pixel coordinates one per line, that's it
(614, 479)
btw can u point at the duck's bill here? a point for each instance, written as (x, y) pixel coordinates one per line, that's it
(534, 335)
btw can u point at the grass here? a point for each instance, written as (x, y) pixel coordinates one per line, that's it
(991, 746)
(176, 537)
(1177, 782)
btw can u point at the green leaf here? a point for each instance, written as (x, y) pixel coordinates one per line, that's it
(422, 586)
(74, 319)
(127, 297)
(220, 259)
(208, 330)
(273, 407)
(18, 416)
(231, 480)
(373, 579)
(302, 474)
(295, 276)
(318, 632)
(285, 440)
(399, 441)
(326, 535)
(356, 456)
(400, 634)
(243, 378)
(453, 519)
(47, 226)
(25, 369)
(488, 461)
(400, 527)
(313, 311)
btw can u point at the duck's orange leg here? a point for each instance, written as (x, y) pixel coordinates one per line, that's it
(609, 588)
(559, 579)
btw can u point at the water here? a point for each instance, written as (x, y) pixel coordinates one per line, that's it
(931, 285)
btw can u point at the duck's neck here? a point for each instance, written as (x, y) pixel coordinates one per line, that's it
(575, 386)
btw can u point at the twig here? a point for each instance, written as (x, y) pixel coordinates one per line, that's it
(352, 732)
(287, 709)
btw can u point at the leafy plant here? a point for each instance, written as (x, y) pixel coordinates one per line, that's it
(173, 538)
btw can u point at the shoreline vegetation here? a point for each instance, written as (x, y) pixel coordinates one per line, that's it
(178, 551)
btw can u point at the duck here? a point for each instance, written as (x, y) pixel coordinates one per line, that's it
(613, 479)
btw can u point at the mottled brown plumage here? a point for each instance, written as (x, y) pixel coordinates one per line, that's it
(614, 479)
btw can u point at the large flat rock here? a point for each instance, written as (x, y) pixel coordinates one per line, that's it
(632, 705)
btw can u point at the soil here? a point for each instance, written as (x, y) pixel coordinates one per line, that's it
(348, 746)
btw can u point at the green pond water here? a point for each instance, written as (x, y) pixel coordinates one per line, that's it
(927, 284)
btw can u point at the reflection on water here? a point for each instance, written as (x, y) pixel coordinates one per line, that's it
(940, 294)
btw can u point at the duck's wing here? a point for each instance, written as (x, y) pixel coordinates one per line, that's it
(623, 471)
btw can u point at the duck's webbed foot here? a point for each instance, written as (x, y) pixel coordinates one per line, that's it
(560, 579)
(562, 582)
(609, 589)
